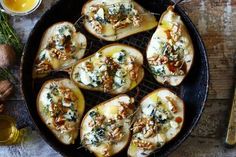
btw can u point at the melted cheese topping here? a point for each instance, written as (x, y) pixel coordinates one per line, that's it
(61, 105)
(170, 51)
(107, 17)
(105, 129)
(116, 19)
(159, 121)
(109, 70)
(61, 47)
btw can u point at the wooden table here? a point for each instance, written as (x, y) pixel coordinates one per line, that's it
(216, 22)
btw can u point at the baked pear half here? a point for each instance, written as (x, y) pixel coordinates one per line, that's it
(60, 105)
(105, 129)
(170, 52)
(159, 119)
(60, 48)
(112, 20)
(114, 69)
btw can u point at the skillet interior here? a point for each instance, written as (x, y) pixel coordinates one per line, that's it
(193, 90)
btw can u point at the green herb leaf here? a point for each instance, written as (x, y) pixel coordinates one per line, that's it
(8, 34)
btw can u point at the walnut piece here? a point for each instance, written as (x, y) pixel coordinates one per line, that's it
(138, 125)
(68, 94)
(106, 152)
(6, 89)
(146, 126)
(116, 134)
(59, 54)
(107, 82)
(43, 66)
(143, 144)
(7, 56)
(173, 103)
(96, 26)
(89, 66)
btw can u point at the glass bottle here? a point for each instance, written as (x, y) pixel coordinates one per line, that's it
(9, 134)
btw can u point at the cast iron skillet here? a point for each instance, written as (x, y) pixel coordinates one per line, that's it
(193, 90)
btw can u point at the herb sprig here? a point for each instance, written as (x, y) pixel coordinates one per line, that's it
(8, 35)
(6, 74)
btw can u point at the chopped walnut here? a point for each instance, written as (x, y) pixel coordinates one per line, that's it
(149, 133)
(178, 63)
(113, 19)
(106, 152)
(59, 54)
(111, 120)
(134, 72)
(136, 21)
(67, 93)
(174, 108)
(107, 82)
(91, 123)
(158, 60)
(70, 126)
(122, 24)
(43, 66)
(133, 68)
(145, 125)
(153, 60)
(96, 26)
(123, 110)
(111, 64)
(99, 120)
(176, 32)
(116, 134)
(138, 125)
(164, 60)
(107, 79)
(119, 117)
(89, 66)
(143, 144)
(59, 121)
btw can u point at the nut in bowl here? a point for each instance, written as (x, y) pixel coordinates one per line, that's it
(19, 7)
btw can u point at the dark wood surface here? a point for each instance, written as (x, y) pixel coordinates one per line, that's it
(216, 22)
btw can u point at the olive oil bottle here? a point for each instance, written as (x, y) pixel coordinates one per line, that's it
(9, 134)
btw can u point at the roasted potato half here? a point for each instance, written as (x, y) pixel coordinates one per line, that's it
(105, 129)
(112, 20)
(60, 105)
(115, 69)
(170, 52)
(60, 48)
(158, 120)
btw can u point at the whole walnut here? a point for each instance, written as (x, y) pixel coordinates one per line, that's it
(7, 56)
(6, 89)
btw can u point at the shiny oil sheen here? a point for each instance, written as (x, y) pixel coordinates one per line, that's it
(9, 134)
(20, 6)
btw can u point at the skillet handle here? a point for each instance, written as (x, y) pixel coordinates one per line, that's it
(176, 2)
(231, 131)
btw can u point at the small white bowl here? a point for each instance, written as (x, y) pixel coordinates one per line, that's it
(13, 13)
